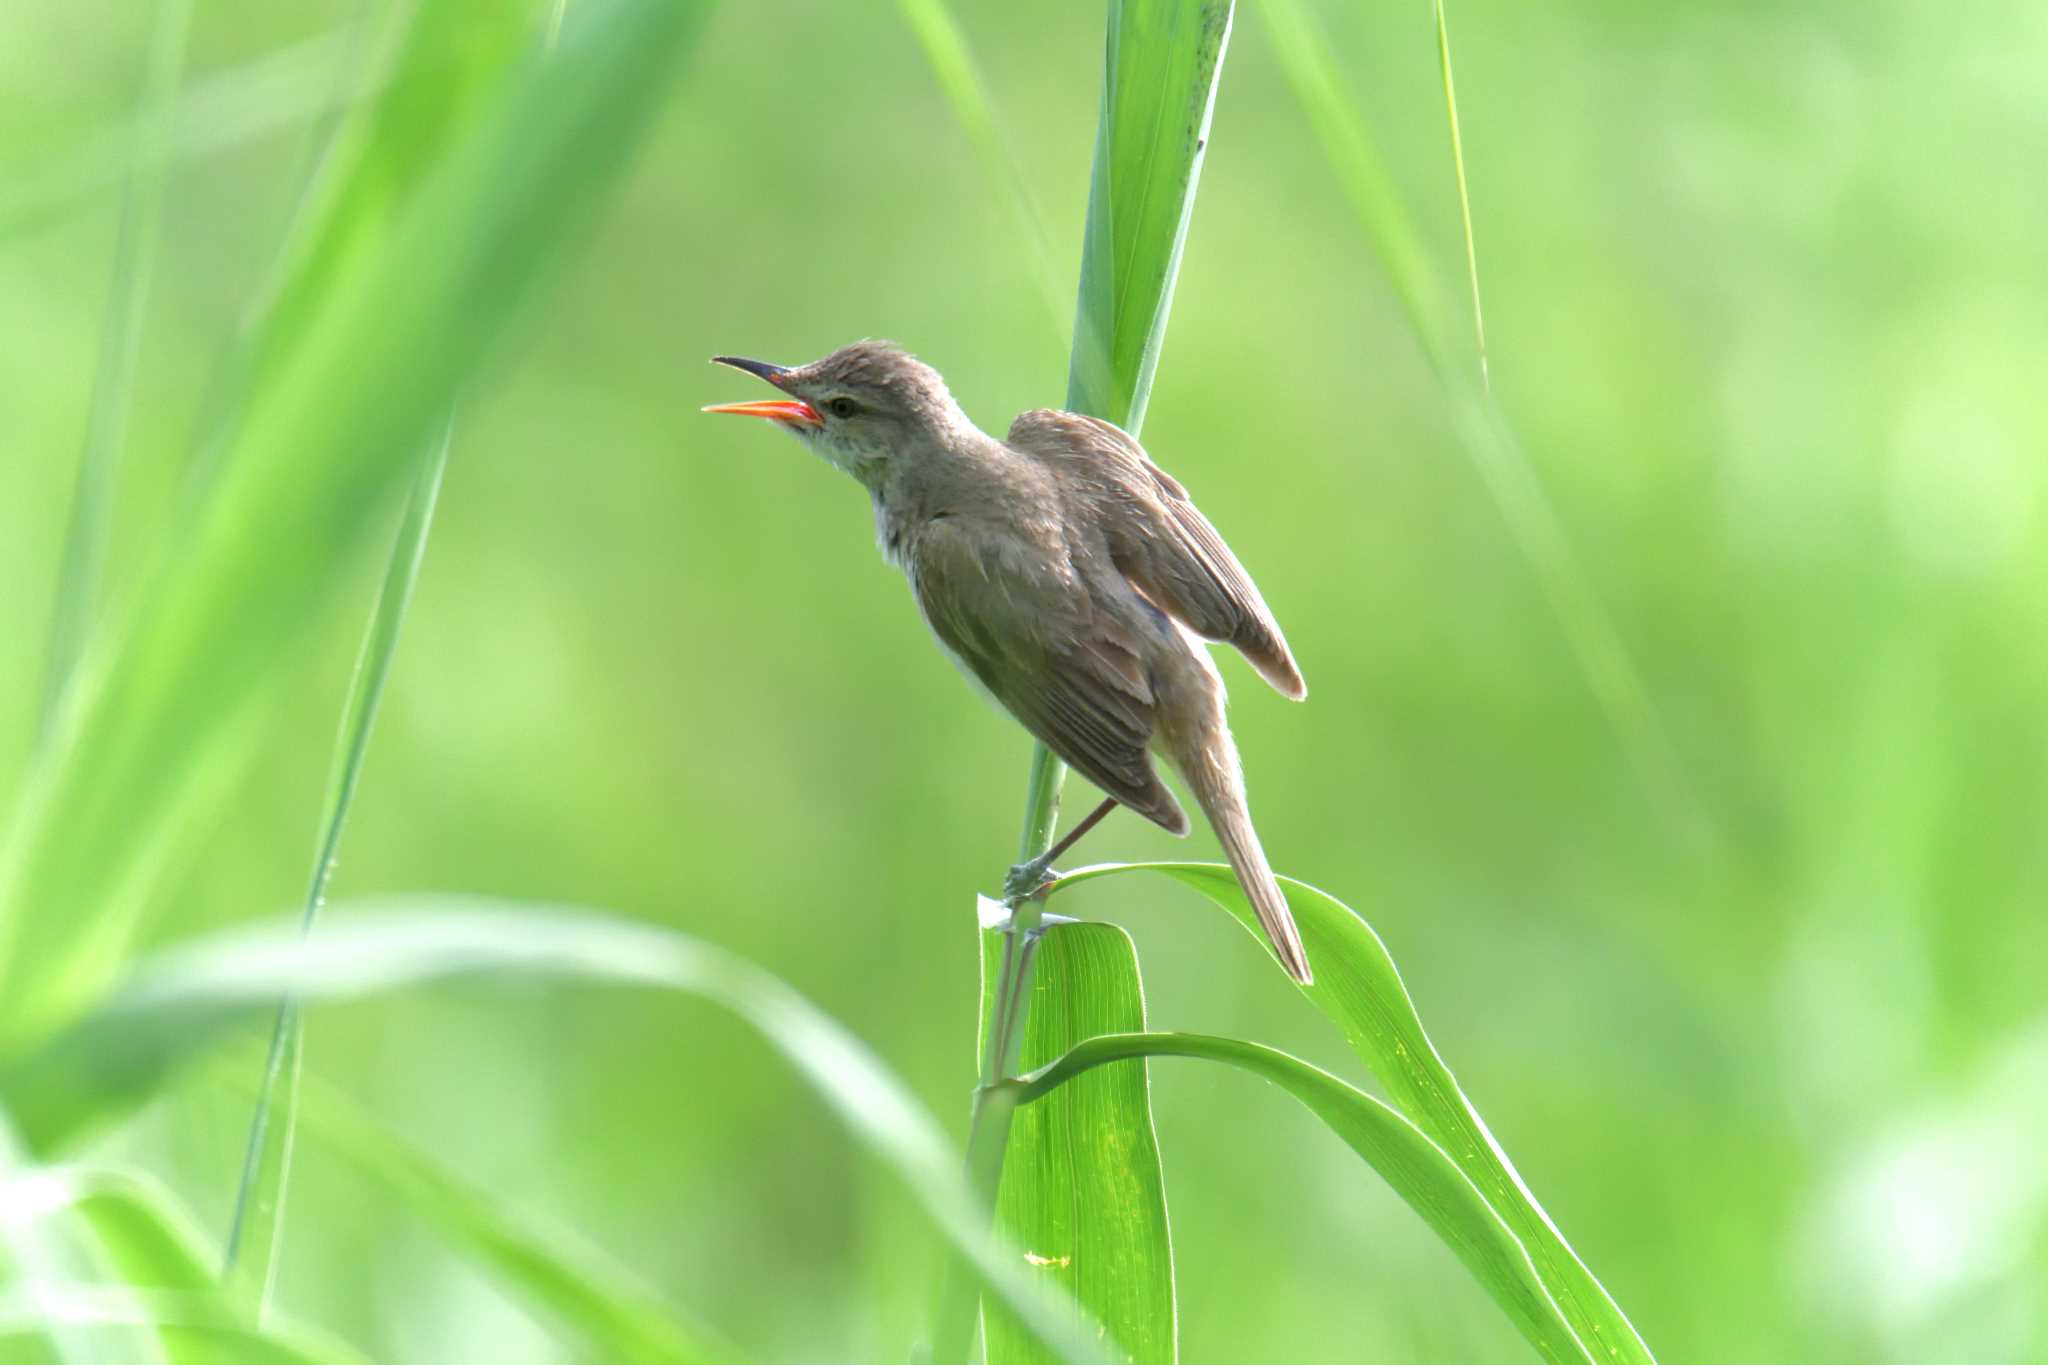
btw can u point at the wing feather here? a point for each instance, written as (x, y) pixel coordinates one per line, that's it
(1160, 539)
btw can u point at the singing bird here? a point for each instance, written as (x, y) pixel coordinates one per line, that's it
(1068, 575)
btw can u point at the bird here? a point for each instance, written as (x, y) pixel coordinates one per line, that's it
(1069, 577)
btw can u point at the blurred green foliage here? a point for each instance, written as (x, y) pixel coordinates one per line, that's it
(1767, 301)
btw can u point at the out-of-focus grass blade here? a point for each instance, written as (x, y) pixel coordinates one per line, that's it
(1358, 987)
(258, 1222)
(46, 1251)
(115, 1056)
(92, 501)
(314, 464)
(149, 1241)
(1504, 467)
(1158, 91)
(207, 1329)
(945, 48)
(1405, 1158)
(457, 60)
(1082, 1194)
(1443, 58)
(455, 57)
(212, 113)
(594, 1301)
(165, 1264)
(357, 184)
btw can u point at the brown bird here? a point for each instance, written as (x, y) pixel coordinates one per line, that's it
(1066, 574)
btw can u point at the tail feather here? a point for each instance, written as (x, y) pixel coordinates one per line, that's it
(1221, 793)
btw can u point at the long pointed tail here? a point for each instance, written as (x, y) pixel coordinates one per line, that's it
(1218, 784)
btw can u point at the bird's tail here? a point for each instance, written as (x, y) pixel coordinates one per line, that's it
(1215, 778)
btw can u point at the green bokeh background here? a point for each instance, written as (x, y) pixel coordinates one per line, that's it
(1767, 300)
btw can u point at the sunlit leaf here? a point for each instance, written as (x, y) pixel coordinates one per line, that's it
(1360, 990)
(1158, 91)
(1083, 1196)
(1415, 1167)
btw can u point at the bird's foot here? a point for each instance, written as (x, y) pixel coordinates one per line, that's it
(1029, 879)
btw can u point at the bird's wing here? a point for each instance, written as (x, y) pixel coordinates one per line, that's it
(1028, 630)
(1160, 539)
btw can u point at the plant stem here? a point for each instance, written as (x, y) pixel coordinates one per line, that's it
(249, 1263)
(995, 1101)
(989, 1132)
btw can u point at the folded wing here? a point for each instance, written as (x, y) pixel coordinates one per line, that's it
(1064, 670)
(1160, 540)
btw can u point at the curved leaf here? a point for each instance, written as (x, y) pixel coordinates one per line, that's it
(1359, 988)
(189, 998)
(1415, 1167)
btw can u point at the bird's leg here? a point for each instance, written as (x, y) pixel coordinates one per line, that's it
(1028, 879)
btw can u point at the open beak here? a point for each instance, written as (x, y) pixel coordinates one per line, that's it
(794, 411)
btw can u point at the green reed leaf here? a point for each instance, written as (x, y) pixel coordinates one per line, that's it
(1404, 1157)
(1358, 987)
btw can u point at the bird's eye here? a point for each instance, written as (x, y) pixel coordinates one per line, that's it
(841, 407)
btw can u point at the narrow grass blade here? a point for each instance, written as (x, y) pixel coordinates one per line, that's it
(114, 1057)
(1417, 1169)
(1360, 990)
(1443, 57)
(313, 470)
(1496, 452)
(945, 49)
(92, 501)
(1083, 1195)
(594, 1302)
(257, 1226)
(162, 1268)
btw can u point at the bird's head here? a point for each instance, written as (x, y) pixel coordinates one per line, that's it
(859, 407)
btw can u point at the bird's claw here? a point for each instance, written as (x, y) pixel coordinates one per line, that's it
(1028, 879)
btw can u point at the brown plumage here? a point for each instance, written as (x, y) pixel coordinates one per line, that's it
(1068, 575)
